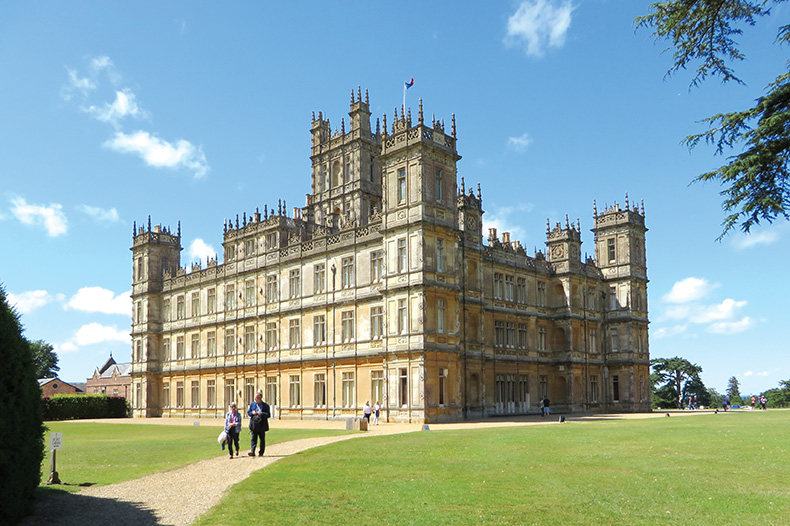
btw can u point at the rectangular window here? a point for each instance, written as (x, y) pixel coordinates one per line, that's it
(294, 333)
(499, 334)
(510, 294)
(195, 395)
(403, 262)
(271, 390)
(230, 253)
(522, 335)
(249, 391)
(319, 329)
(401, 185)
(347, 324)
(166, 310)
(593, 341)
(376, 323)
(521, 290)
(541, 294)
(271, 335)
(613, 303)
(295, 283)
(439, 255)
(181, 311)
(195, 304)
(230, 341)
(139, 357)
(211, 343)
(523, 389)
(611, 249)
(544, 386)
(438, 190)
(615, 388)
(319, 278)
(271, 288)
(403, 387)
(230, 392)
(138, 395)
(377, 385)
(499, 285)
(593, 388)
(615, 340)
(179, 347)
(139, 312)
(295, 384)
(271, 241)
(249, 247)
(376, 266)
(180, 395)
(166, 349)
(249, 293)
(510, 335)
(166, 395)
(211, 394)
(442, 387)
(347, 277)
(348, 389)
(249, 338)
(211, 297)
(440, 316)
(542, 338)
(230, 297)
(403, 321)
(319, 390)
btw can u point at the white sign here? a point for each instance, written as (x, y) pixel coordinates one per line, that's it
(55, 441)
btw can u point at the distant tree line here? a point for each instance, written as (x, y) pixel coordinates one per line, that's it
(676, 380)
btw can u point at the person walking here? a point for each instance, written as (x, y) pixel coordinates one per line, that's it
(546, 406)
(763, 402)
(233, 428)
(376, 413)
(366, 410)
(259, 413)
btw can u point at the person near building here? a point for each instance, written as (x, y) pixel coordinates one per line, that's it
(546, 406)
(367, 410)
(376, 413)
(233, 428)
(259, 413)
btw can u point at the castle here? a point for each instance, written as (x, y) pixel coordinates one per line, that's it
(383, 288)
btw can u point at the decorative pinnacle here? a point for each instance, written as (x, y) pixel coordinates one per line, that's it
(378, 129)
(595, 209)
(479, 194)
(626, 201)
(643, 207)
(402, 112)
(179, 228)
(343, 125)
(359, 93)
(567, 226)
(453, 129)
(419, 115)
(463, 186)
(384, 124)
(313, 116)
(352, 96)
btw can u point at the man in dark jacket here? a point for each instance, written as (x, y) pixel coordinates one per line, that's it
(259, 423)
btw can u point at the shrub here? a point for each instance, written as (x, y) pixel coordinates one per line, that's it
(21, 425)
(76, 406)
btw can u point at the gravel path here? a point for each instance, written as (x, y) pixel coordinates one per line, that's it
(176, 497)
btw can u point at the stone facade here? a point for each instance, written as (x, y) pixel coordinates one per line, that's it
(383, 287)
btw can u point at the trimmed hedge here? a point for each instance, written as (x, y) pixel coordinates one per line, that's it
(21, 427)
(77, 406)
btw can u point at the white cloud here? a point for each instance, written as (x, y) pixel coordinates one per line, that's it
(160, 153)
(731, 327)
(27, 302)
(538, 24)
(752, 373)
(101, 214)
(765, 237)
(100, 63)
(667, 332)
(50, 217)
(65, 347)
(689, 289)
(77, 83)
(200, 250)
(519, 144)
(93, 333)
(97, 299)
(500, 219)
(124, 105)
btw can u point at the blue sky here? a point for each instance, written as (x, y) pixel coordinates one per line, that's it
(196, 112)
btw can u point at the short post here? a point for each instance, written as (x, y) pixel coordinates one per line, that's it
(55, 443)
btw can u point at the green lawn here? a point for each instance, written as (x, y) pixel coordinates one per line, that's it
(701, 470)
(104, 453)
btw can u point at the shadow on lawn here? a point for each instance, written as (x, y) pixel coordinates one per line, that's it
(72, 509)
